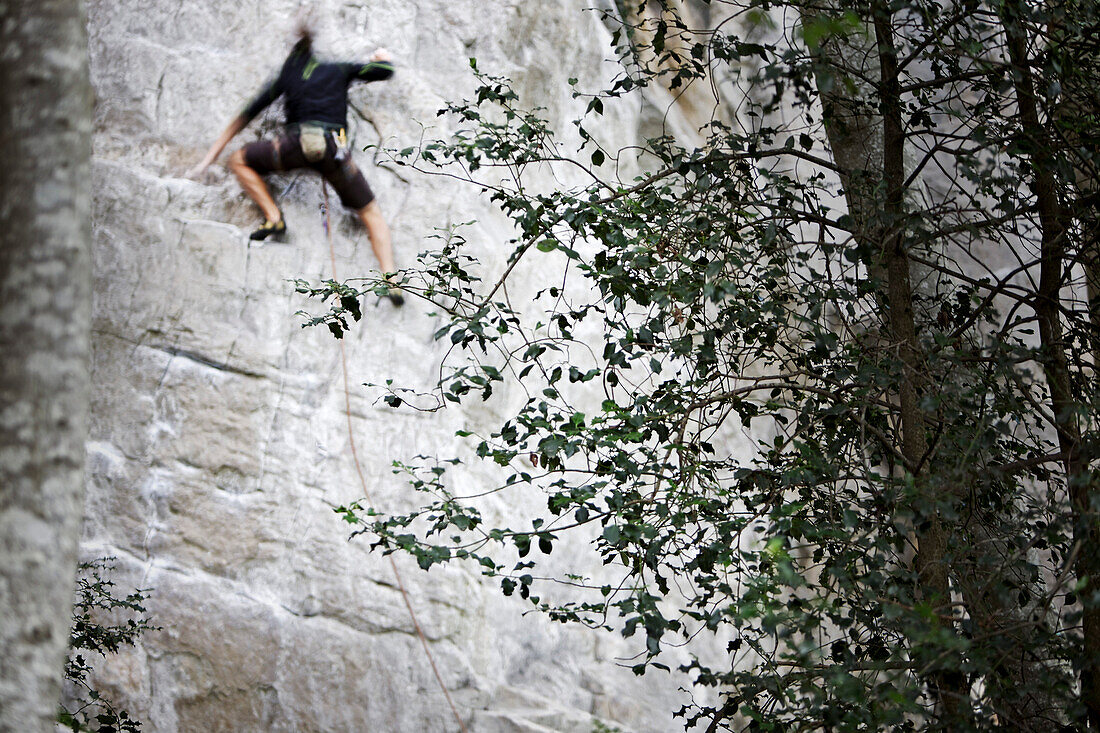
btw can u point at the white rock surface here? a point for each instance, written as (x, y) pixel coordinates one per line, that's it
(219, 442)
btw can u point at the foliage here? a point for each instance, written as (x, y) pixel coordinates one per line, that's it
(907, 544)
(91, 635)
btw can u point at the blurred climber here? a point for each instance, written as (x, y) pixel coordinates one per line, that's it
(316, 95)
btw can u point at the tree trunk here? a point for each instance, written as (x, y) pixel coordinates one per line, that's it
(45, 323)
(1076, 107)
(868, 146)
(1053, 355)
(932, 567)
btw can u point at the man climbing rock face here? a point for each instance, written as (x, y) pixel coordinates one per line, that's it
(316, 95)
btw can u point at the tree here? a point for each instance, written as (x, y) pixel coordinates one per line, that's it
(45, 325)
(912, 544)
(95, 633)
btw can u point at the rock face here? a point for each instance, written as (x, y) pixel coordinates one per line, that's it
(219, 441)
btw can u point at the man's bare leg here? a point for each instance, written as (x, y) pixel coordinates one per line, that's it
(379, 234)
(254, 186)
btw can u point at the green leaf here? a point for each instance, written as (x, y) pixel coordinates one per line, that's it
(523, 544)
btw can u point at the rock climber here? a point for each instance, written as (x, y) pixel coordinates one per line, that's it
(316, 96)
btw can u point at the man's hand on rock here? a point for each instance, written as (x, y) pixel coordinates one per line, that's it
(197, 173)
(381, 55)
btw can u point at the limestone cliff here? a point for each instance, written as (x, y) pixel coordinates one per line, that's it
(218, 440)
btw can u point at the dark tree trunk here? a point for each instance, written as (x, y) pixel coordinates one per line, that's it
(867, 137)
(867, 142)
(1053, 346)
(931, 561)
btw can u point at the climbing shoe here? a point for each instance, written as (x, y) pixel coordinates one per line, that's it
(392, 291)
(269, 229)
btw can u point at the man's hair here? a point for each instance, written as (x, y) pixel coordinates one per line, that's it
(305, 38)
(303, 31)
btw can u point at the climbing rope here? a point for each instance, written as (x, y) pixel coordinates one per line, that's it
(363, 481)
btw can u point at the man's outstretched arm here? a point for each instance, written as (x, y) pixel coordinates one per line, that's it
(216, 149)
(377, 68)
(268, 95)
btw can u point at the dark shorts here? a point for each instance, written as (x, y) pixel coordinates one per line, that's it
(285, 154)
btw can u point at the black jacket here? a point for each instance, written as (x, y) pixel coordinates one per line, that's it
(315, 91)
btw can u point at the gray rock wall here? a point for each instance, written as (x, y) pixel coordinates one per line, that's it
(219, 442)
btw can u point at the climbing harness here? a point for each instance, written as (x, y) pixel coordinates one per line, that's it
(327, 226)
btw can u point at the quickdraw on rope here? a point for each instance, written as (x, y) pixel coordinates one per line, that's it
(327, 226)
